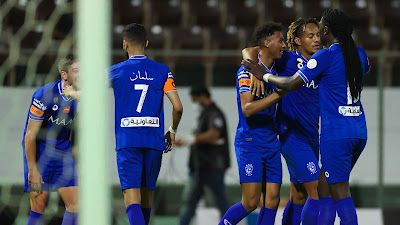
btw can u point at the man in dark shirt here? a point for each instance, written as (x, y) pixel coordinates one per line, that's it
(209, 155)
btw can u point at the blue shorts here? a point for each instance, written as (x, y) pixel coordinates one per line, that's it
(57, 168)
(138, 167)
(301, 159)
(255, 163)
(338, 158)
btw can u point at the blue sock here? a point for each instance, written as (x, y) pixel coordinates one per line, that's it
(260, 215)
(346, 211)
(70, 218)
(310, 213)
(287, 213)
(327, 212)
(269, 217)
(35, 218)
(296, 217)
(146, 214)
(135, 214)
(234, 214)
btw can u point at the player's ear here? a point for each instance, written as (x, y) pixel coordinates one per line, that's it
(297, 41)
(266, 43)
(64, 76)
(326, 30)
(147, 44)
(124, 45)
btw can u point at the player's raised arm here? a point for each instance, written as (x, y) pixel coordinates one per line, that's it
(251, 107)
(177, 110)
(34, 177)
(286, 83)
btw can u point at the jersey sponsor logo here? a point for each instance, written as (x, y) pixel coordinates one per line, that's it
(350, 110)
(35, 111)
(300, 64)
(226, 222)
(140, 76)
(245, 82)
(326, 174)
(55, 100)
(55, 107)
(249, 169)
(59, 121)
(312, 64)
(311, 167)
(67, 109)
(39, 104)
(145, 121)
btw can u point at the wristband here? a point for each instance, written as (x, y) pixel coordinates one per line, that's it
(266, 76)
(172, 130)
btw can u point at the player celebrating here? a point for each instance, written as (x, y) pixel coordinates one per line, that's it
(48, 161)
(256, 145)
(298, 116)
(340, 69)
(139, 85)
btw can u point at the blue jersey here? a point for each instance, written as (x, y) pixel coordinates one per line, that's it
(258, 129)
(341, 116)
(298, 111)
(57, 113)
(139, 85)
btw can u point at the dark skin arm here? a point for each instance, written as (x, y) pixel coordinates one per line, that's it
(285, 83)
(251, 107)
(256, 86)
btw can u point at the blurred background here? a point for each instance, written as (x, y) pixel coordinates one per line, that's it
(201, 42)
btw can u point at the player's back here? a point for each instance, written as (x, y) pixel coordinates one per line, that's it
(341, 116)
(138, 85)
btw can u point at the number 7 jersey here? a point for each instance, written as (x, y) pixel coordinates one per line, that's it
(139, 85)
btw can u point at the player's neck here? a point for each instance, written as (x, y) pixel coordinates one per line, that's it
(304, 53)
(266, 59)
(135, 52)
(331, 41)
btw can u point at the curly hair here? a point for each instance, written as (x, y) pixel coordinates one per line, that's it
(295, 31)
(265, 30)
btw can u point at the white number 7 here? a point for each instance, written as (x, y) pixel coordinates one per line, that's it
(144, 88)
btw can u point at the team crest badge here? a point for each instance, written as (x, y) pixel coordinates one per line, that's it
(249, 170)
(311, 167)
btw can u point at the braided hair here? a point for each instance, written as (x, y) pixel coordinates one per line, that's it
(295, 31)
(341, 27)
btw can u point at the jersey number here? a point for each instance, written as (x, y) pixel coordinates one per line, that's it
(144, 88)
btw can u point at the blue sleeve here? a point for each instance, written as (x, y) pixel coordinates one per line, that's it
(113, 74)
(318, 63)
(243, 79)
(39, 105)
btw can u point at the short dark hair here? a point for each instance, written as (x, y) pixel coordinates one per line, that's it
(66, 62)
(135, 33)
(295, 31)
(264, 31)
(199, 91)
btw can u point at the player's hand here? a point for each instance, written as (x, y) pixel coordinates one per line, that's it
(68, 91)
(256, 86)
(254, 68)
(282, 93)
(179, 142)
(35, 181)
(169, 141)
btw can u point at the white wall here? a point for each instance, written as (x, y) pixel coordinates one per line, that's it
(14, 105)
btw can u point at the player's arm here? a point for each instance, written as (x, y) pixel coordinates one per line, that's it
(256, 86)
(251, 107)
(286, 83)
(210, 136)
(177, 110)
(34, 177)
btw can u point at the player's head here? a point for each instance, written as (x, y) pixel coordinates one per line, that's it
(134, 36)
(335, 24)
(269, 36)
(200, 94)
(68, 68)
(303, 35)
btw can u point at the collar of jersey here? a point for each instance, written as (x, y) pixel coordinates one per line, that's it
(302, 57)
(60, 91)
(138, 57)
(268, 70)
(333, 44)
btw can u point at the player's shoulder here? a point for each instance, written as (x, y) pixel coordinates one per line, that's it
(157, 65)
(241, 71)
(361, 52)
(46, 89)
(117, 66)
